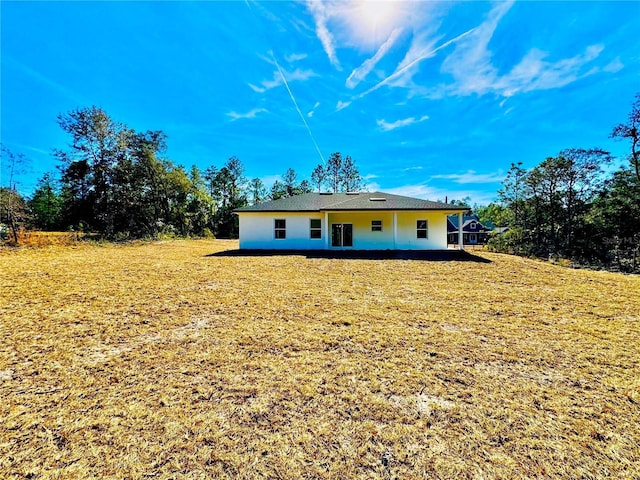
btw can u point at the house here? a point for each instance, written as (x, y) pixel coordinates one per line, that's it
(344, 221)
(473, 231)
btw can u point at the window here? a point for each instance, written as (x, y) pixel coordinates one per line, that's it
(472, 225)
(315, 228)
(422, 229)
(376, 225)
(280, 230)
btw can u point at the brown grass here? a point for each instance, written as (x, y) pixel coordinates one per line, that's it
(157, 361)
(38, 239)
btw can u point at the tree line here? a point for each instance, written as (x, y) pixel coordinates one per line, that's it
(567, 207)
(116, 182)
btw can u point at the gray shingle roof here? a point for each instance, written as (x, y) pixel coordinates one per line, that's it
(452, 225)
(316, 202)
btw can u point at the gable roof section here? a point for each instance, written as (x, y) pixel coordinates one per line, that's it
(318, 202)
(452, 224)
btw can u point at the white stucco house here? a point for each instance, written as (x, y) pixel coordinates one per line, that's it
(346, 221)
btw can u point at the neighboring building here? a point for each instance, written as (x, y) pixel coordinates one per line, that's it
(342, 221)
(473, 231)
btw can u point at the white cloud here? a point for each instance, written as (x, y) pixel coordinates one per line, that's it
(470, 176)
(340, 105)
(295, 57)
(470, 62)
(266, 85)
(473, 72)
(614, 66)
(313, 110)
(360, 73)
(386, 126)
(297, 74)
(534, 73)
(410, 169)
(423, 46)
(401, 77)
(365, 25)
(321, 16)
(250, 114)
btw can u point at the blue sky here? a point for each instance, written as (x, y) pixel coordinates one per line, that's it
(431, 99)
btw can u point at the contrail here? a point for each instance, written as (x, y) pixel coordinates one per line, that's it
(397, 73)
(284, 80)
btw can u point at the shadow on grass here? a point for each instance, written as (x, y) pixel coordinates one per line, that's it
(426, 255)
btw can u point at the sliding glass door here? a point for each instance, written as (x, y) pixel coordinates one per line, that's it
(342, 235)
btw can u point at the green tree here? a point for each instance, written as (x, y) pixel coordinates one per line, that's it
(199, 205)
(210, 174)
(548, 205)
(139, 187)
(228, 192)
(290, 181)
(76, 188)
(45, 204)
(351, 181)
(318, 177)
(178, 188)
(494, 213)
(237, 181)
(289, 186)
(97, 144)
(257, 191)
(511, 192)
(151, 209)
(113, 180)
(613, 222)
(334, 172)
(278, 190)
(631, 131)
(580, 175)
(305, 187)
(340, 174)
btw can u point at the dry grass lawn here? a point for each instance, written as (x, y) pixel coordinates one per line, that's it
(158, 360)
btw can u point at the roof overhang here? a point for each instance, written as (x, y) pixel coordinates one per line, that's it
(359, 210)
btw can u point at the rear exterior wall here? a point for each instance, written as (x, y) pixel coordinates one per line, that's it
(257, 230)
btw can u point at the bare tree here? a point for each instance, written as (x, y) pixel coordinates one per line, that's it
(13, 208)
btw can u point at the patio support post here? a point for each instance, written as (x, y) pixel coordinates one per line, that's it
(460, 242)
(395, 229)
(326, 230)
